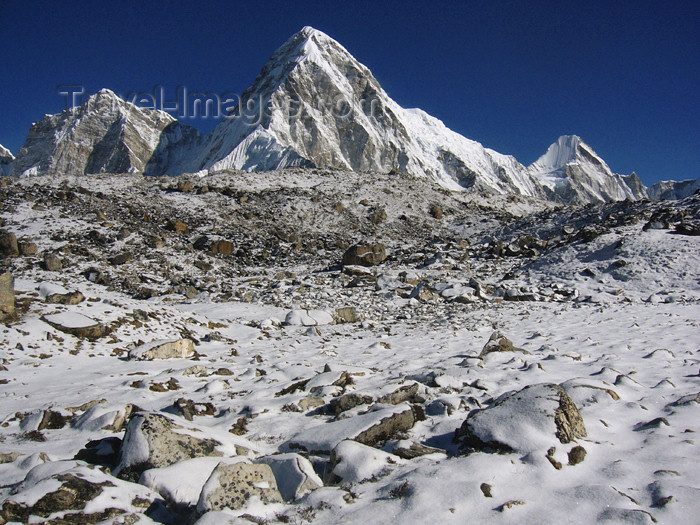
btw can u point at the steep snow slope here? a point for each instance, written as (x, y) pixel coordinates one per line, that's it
(571, 171)
(314, 104)
(105, 134)
(671, 189)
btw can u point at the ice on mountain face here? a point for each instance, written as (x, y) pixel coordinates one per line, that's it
(673, 190)
(313, 104)
(572, 172)
(106, 134)
(6, 160)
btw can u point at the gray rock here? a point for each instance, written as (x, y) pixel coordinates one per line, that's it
(28, 248)
(544, 412)
(347, 314)
(364, 255)
(52, 262)
(415, 450)
(78, 325)
(343, 403)
(176, 349)
(70, 298)
(231, 486)
(400, 395)
(154, 440)
(294, 474)
(7, 296)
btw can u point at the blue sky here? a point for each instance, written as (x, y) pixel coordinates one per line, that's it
(513, 75)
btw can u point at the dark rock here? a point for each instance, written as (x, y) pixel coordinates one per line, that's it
(28, 248)
(8, 244)
(577, 455)
(119, 259)
(364, 255)
(415, 450)
(52, 263)
(400, 395)
(341, 404)
(189, 409)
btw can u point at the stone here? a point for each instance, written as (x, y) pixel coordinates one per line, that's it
(119, 259)
(294, 474)
(309, 403)
(177, 226)
(400, 395)
(308, 318)
(499, 343)
(576, 455)
(347, 314)
(523, 421)
(231, 486)
(52, 262)
(436, 211)
(412, 450)
(77, 324)
(189, 409)
(341, 404)
(7, 296)
(70, 298)
(163, 349)
(8, 244)
(365, 255)
(154, 440)
(222, 247)
(28, 248)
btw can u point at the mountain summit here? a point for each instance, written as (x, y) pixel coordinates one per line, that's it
(314, 104)
(572, 172)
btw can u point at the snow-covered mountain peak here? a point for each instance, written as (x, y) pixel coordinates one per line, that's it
(6, 153)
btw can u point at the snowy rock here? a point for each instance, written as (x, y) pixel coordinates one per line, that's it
(364, 255)
(343, 403)
(354, 462)
(348, 314)
(103, 417)
(412, 450)
(80, 493)
(400, 395)
(77, 324)
(295, 475)
(499, 343)
(524, 421)
(70, 298)
(153, 441)
(372, 428)
(163, 349)
(308, 318)
(7, 296)
(232, 486)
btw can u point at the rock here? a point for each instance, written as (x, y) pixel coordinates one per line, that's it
(189, 409)
(119, 259)
(364, 255)
(400, 395)
(486, 490)
(654, 423)
(231, 486)
(436, 211)
(163, 349)
(8, 244)
(104, 417)
(412, 450)
(354, 462)
(499, 343)
(309, 403)
(343, 403)
(52, 263)
(177, 226)
(372, 429)
(7, 296)
(524, 421)
(103, 452)
(52, 420)
(347, 314)
(28, 248)
(294, 474)
(77, 324)
(308, 318)
(70, 298)
(153, 441)
(77, 492)
(577, 455)
(222, 247)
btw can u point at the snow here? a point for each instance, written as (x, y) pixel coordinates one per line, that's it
(71, 320)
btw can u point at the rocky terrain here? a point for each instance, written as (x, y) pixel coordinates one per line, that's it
(327, 346)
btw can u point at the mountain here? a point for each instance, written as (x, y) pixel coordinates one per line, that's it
(6, 160)
(572, 172)
(673, 190)
(314, 104)
(105, 134)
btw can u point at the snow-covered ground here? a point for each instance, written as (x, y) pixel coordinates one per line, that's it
(621, 339)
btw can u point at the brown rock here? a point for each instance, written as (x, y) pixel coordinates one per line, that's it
(52, 263)
(8, 244)
(7, 296)
(577, 455)
(27, 248)
(499, 343)
(365, 255)
(222, 247)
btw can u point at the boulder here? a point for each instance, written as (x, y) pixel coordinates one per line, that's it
(347, 314)
(400, 395)
(354, 462)
(294, 474)
(308, 318)
(77, 324)
(222, 247)
(52, 263)
(524, 421)
(499, 343)
(163, 349)
(364, 255)
(231, 486)
(372, 429)
(7, 296)
(70, 298)
(341, 404)
(8, 244)
(79, 493)
(154, 441)
(412, 450)
(28, 248)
